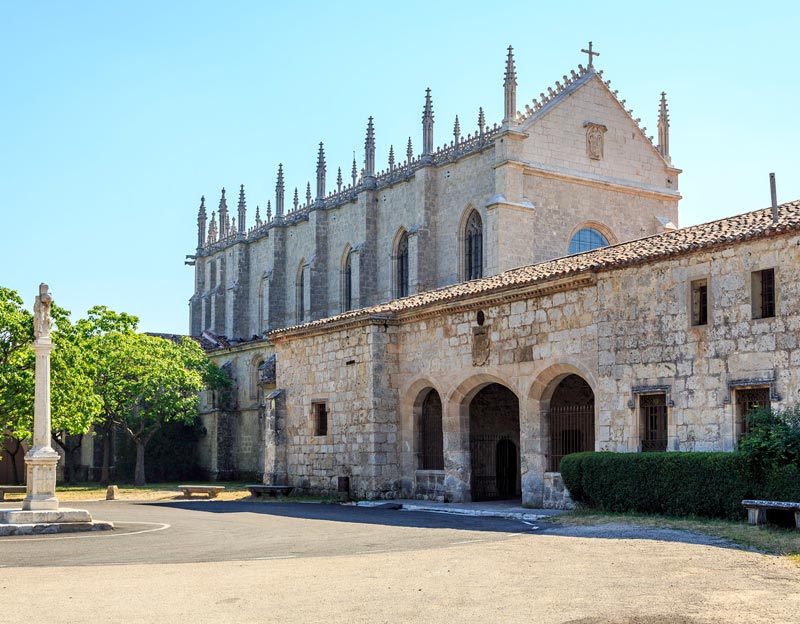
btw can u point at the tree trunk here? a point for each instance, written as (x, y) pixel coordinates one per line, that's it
(138, 473)
(13, 456)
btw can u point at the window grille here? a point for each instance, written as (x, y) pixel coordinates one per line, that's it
(431, 440)
(763, 294)
(749, 400)
(700, 302)
(653, 414)
(571, 431)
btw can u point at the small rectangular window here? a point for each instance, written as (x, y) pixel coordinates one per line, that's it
(749, 400)
(762, 293)
(320, 413)
(653, 421)
(700, 302)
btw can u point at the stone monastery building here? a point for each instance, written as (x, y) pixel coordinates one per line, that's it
(452, 326)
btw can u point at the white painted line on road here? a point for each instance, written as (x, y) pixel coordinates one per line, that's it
(468, 542)
(159, 527)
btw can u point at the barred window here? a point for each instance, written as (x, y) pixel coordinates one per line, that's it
(700, 302)
(430, 433)
(762, 291)
(653, 421)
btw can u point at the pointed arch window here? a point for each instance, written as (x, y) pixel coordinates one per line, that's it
(431, 439)
(402, 266)
(473, 247)
(347, 282)
(301, 295)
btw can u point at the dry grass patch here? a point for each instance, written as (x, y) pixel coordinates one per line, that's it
(764, 538)
(151, 492)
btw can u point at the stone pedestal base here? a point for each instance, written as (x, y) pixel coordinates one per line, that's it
(41, 471)
(31, 522)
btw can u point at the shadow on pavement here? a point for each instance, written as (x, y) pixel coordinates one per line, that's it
(345, 513)
(434, 520)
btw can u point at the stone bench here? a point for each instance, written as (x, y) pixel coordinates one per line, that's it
(757, 510)
(12, 489)
(211, 490)
(271, 490)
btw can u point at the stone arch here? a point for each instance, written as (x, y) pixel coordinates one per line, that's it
(253, 374)
(597, 226)
(470, 249)
(494, 443)
(400, 274)
(564, 395)
(346, 279)
(464, 392)
(421, 483)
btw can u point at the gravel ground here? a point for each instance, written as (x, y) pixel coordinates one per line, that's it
(578, 575)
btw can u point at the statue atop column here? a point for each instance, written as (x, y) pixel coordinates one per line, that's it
(41, 312)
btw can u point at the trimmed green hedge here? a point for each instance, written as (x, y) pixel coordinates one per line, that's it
(674, 484)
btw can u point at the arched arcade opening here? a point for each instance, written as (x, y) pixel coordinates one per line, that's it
(494, 444)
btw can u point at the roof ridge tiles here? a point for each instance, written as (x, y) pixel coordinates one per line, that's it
(639, 251)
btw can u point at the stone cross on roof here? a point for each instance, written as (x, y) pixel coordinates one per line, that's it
(591, 54)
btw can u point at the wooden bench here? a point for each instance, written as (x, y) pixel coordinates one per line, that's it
(211, 490)
(12, 489)
(757, 510)
(271, 490)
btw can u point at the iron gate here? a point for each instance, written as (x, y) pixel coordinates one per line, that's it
(494, 460)
(571, 431)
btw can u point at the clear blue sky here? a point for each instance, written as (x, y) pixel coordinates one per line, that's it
(116, 116)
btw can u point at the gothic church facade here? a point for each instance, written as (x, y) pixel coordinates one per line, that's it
(453, 325)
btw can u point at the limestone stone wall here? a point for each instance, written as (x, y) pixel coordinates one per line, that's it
(234, 420)
(352, 373)
(623, 331)
(562, 208)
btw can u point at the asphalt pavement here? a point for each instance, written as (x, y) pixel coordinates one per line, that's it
(208, 531)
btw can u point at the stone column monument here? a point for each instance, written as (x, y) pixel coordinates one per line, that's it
(40, 512)
(41, 459)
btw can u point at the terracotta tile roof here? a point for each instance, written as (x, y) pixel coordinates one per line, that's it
(742, 227)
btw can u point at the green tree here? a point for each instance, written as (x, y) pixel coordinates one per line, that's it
(145, 381)
(92, 331)
(74, 405)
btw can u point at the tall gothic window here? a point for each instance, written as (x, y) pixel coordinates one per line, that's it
(301, 295)
(347, 282)
(473, 247)
(402, 266)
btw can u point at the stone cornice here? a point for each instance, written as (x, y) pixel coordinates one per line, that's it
(499, 296)
(593, 180)
(463, 304)
(308, 331)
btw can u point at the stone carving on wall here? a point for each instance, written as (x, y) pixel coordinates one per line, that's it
(594, 139)
(480, 346)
